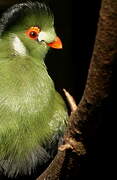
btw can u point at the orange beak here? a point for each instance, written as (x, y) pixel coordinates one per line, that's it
(57, 44)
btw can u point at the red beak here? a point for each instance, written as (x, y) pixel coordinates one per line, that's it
(57, 44)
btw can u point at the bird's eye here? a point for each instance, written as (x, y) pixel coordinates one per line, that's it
(33, 32)
(33, 35)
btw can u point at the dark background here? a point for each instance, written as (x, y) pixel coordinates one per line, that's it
(76, 24)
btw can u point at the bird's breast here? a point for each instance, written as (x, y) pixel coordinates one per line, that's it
(26, 107)
(25, 87)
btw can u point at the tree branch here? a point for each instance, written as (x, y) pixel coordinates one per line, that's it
(96, 91)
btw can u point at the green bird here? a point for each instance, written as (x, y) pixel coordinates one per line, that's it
(32, 113)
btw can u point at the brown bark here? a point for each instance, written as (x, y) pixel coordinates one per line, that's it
(97, 89)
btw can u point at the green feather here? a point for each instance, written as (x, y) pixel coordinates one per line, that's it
(31, 111)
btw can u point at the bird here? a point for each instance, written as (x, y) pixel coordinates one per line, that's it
(33, 115)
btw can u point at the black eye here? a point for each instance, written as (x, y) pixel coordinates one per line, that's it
(33, 35)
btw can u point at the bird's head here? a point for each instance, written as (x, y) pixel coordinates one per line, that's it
(29, 27)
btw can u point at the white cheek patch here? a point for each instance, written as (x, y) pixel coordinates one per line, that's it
(42, 36)
(18, 46)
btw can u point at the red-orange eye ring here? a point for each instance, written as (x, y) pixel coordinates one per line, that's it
(33, 32)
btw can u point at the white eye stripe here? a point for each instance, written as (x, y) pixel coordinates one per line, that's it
(18, 46)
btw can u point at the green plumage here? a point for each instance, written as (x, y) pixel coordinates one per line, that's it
(32, 113)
